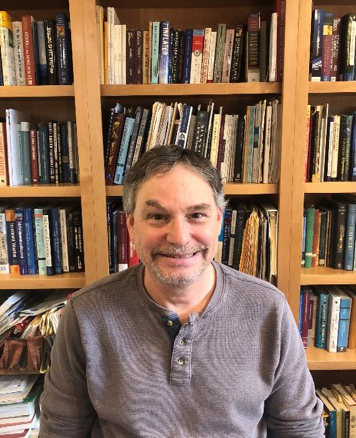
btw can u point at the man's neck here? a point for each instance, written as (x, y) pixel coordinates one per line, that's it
(184, 300)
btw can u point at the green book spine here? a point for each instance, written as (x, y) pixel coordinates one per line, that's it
(309, 237)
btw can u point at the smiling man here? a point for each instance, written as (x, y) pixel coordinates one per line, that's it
(179, 346)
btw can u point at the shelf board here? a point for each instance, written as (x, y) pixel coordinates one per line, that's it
(332, 87)
(330, 187)
(320, 359)
(324, 275)
(191, 89)
(64, 281)
(230, 189)
(37, 91)
(41, 191)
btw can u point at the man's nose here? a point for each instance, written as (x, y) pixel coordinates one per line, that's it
(178, 232)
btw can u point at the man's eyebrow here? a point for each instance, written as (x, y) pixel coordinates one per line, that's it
(153, 203)
(201, 207)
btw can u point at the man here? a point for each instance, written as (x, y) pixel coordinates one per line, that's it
(178, 346)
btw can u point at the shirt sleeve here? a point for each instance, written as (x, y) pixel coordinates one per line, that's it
(66, 410)
(292, 409)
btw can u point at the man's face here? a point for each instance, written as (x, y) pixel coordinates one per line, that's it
(175, 226)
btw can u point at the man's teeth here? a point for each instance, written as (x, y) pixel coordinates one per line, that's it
(175, 256)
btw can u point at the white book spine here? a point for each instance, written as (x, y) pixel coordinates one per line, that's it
(335, 152)
(272, 72)
(117, 54)
(4, 258)
(123, 52)
(211, 63)
(40, 241)
(47, 240)
(267, 144)
(215, 140)
(7, 55)
(18, 53)
(330, 150)
(110, 25)
(63, 223)
(333, 328)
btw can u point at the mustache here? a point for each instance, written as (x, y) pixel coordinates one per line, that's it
(177, 250)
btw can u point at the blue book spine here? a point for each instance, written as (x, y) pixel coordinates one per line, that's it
(121, 161)
(40, 241)
(227, 235)
(183, 132)
(43, 155)
(317, 44)
(353, 151)
(301, 307)
(163, 70)
(155, 52)
(344, 324)
(30, 241)
(65, 153)
(350, 237)
(322, 320)
(187, 55)
(42, 57)
(63, 50)
(55, 229)
(20, 232)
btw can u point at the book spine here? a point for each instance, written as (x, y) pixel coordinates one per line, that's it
(335, 151)
(305, 317)
(323, 232)
(133, 257)
(239, 43)
(226, 236)
(133, 141)
(329, 149)
(309, 237)
(197, 56)
(187, 55)
(79, 248)
(63, 50)
(333, 323)
(71, 243)
(71, 152)
(344, 147)
(42, 58)
(344, 324)
(34, 156)
(50, 42)
(212, 52)
(226, 70)
(36, 52)
(64, 241)
(126, 136)
(40, 241)
(339, 237)
(21, 239)
(7, 49)
(220, 43)
(206, 54)
(240, 139)
(327, 47)
(322, 320)
(26, 153)
(66, 173)
(163, 64)
(51, 136)
(181, 57)
(155, 52)
(30, 241)
(4, 253)
(263, 57)
(4, 180)
(28, 47)
(122, 242)
(55, 231)
(115, 141)
(19, 53)
(352, 175)
(183, 132)
(43, 155)
(145, 58)
(12, 242)
(350, 237)
(48, 243)
(316, 46)
(280, 8)
(130, 56)
(139, 56)
(335, 61)
(252, 45)
(348, 33)
(175, 55)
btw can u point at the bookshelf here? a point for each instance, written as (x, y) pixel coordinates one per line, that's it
(87, 99)
(341, 96)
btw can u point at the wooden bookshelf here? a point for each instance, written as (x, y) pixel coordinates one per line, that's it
(320, 359)
(64, 281)
(325, 275)
(330, 187)
(332, 87)
(41, 191)
(40, 91)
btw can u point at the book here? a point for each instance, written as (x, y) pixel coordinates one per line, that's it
(227, 58)
(65, 74)
(163, 63)
(188, 41)
(327, 46)
(40, 241)
(237, 55)
(7, 49)
(219, 55)
(316, 45)
(252, 48)
(12, 242)
(19, 53)
(196, 56)
(347, 67)
(155, 51)
(333, 322)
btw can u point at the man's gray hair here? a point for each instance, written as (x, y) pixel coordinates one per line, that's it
(162, 159)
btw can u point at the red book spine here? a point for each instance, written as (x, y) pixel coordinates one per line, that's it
(133, 257)
(123, 255)
(305, 323)
(280, 8)
(28, 50)
(34, 156)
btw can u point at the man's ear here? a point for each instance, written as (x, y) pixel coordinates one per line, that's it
(130, 225)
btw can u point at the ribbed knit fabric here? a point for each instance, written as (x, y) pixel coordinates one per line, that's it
(238, 369)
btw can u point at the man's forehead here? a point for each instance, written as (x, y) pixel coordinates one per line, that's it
(154, 203)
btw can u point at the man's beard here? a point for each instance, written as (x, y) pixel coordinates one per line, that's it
(177, 279)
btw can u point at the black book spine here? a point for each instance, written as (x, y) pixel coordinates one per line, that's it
(175, 55)
(344, 147)
(138, 56)
(50, 39)
(79, 248)
(338, 239)
(63, 132)
(63, 50)
(51, 153)
(240, 140)
(181, 56)
(237, 53)
(130, 57)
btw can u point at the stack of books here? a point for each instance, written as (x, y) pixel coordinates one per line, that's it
(37, 153)
(331, 146)
(44, 240)
(251, 51)
(332, 50)
(329, 233)
(339, 412)
(19, 406)
(244, 148)
(35, 52)
(327, 317)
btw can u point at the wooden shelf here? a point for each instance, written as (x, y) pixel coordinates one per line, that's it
(332, 87)
(320, 359)
(41, 191)
(324, 275)
(37, 91)
(191, 89)
(230, 189)
(330, 187)
(64, 281)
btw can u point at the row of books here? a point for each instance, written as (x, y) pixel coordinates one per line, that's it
(245, 148)
(332, 48)
(327, 317)
(20, 405)
(43, 153)
(329, 233)
(331, 146)
(251, 52)
(35, 52)
(248, 239)
(339, 410)
(44, 240)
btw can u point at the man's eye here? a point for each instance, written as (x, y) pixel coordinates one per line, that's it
(197, 215)
(155, 217)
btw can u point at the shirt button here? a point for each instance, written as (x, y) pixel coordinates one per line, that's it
(180, 361)
(169, 322)
(181, 342)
